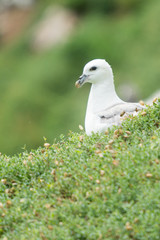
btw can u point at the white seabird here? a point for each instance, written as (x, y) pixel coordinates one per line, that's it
(104, 108)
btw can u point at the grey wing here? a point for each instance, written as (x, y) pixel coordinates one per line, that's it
(115, 114)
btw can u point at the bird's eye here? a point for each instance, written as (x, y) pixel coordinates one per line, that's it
(93, 68)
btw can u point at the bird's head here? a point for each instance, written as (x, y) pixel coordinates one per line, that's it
(94, 72)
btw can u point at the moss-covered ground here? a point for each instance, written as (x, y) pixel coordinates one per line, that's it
(86, 187)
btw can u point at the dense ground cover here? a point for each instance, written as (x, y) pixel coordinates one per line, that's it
(86, 187)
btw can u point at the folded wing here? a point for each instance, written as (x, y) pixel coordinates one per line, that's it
(115, 114)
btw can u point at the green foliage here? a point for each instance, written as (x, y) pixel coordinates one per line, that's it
(102, 6)
(86, 187)
(37, 94)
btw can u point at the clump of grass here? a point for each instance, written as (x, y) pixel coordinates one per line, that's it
(86, 187)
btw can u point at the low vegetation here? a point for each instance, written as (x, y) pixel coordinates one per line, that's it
(86, 187)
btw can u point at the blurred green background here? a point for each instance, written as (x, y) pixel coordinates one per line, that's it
(43, 48)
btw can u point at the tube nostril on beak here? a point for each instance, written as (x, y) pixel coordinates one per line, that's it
(81, 81)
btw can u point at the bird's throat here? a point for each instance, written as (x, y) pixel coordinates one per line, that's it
(102, 96)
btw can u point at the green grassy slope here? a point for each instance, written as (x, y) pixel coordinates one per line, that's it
(98, 187)
(37, 94)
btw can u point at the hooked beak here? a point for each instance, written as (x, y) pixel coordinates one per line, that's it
(81, 81)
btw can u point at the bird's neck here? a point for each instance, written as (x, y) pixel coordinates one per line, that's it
(102, 95)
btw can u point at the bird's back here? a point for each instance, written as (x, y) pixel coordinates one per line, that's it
(113, 115)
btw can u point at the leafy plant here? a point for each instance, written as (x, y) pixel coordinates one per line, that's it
(86, 187)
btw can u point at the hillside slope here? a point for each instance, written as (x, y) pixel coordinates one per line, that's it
(98, 187)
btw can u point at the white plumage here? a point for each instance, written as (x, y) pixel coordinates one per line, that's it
(104, 108)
